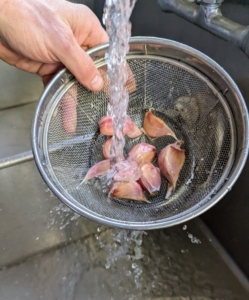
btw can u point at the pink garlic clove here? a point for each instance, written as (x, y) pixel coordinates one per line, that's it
(98, 169)
(150, 179)
(106, 126)
(131, 129)
(128, 190)
(106, 148)
(155, 127)
(171, 160)
(142, 153)
(127, 170)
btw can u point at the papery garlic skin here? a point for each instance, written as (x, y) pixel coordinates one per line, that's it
(98, 169)
(130, 128)
(128, 190)
(106, 148)
(127, 170)
(170, 161)
(142, 153)
(150, 179)
(155, 127)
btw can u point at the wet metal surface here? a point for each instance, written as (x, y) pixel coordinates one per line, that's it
(15, 124)
(31, 218)
(18, 87)
(173, 267)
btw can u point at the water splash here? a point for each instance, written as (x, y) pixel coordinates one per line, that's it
(66, 216)
(193, 239)
(116, 19)
(124, 245)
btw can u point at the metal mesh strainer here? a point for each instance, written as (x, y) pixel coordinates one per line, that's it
(190, 92)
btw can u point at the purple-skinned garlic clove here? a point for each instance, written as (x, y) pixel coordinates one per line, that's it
(128, 190)
(155, 127)
(130, 128)
(127, 170)
(142, 153)
(106, 148)
(150, 179)
(170, 161)
(98, 169)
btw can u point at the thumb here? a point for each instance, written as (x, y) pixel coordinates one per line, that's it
(79, 63)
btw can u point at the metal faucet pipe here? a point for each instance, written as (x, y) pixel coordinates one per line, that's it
(207, 15)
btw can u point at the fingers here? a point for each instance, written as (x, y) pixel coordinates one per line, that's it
(82, 29)
(86, 27)
(14, 59)
(69, 110)
(75, 59)
(9, 56)
(46, 79)
(130, 84)
(48, 71)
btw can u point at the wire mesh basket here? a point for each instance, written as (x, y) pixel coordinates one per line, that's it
(185, 88)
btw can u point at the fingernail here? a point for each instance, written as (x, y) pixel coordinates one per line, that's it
(97, 83)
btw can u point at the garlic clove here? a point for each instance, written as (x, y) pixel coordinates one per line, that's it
(98, 169)
(142, 153)
(150, 179)
(106, 126)
(170, 161)
(106, 148)
(128, 190)
(131, 129)
(127, 170)
(170, 190)
(155, 127)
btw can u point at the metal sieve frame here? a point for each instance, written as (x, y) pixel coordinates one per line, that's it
(142, 47)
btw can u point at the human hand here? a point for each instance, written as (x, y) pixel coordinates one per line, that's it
(69, 101)
(52, 34)
(41, 36)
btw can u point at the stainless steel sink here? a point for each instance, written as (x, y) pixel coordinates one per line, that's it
(49, 252)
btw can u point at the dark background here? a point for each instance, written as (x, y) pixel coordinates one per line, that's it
(229, 219)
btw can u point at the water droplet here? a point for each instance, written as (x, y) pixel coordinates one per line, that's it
(107, 265)
(184, 227)
(134, 266)
(193, 239)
